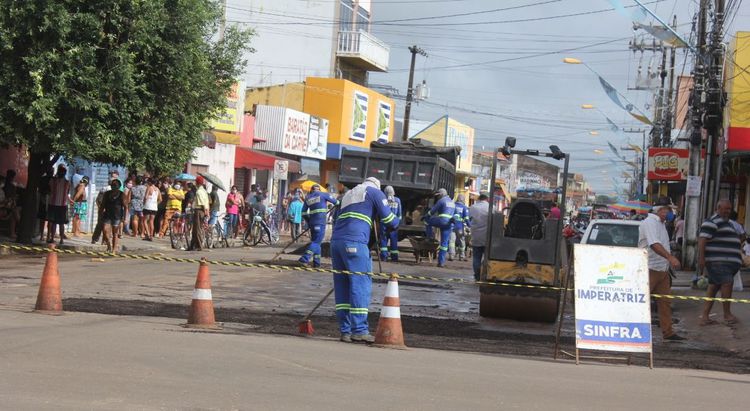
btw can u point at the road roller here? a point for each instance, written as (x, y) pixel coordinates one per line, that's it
(524, 248)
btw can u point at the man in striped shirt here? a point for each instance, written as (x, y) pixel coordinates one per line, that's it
(719, 259)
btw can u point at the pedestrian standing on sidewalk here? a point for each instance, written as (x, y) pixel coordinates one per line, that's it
(150, 207)
(161, 211)
(295, 216)
(80, 206)
(113, 206)
(214, 205)
(719, 258)
(200, 210)
(478, 215)
(57, 211)
(174, 198)
(44, 187)
(232, 205)
(127, 212)
(137, 195)
(653, 235)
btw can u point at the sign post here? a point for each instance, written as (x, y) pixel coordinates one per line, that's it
(612, 300)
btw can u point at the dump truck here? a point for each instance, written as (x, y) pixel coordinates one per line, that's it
(521, 270)
(414, 170)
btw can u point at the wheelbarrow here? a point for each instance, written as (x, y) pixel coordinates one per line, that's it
(423, 247)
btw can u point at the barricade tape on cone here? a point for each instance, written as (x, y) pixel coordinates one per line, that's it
(35, 249)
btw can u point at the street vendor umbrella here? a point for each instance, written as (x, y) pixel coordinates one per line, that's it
(307, 186)
(640, 207)
(213, 180)
(184, 177)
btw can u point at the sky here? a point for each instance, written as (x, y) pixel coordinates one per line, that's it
(526, 91)
(496, 65)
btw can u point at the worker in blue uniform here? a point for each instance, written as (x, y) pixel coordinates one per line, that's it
(315, 213)
(390, 237)
(360, 208)
(460, 222)
(441, 217)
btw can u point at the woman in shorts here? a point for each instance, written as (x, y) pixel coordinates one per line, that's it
(150, 207)
(113, 205)
(137, 195)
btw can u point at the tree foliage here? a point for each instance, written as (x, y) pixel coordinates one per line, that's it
(132, 82)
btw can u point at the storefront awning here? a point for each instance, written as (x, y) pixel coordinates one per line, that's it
(252, 159)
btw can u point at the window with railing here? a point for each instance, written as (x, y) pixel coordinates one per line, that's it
(346, 16)
(363, 19)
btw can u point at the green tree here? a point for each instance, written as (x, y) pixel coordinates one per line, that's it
(130, 82)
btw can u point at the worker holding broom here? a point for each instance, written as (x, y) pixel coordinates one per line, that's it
(360, 208)
(315, 213)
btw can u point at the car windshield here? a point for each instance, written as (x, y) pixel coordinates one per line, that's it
(619, 235)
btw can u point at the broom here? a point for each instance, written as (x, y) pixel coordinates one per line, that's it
(306, 327)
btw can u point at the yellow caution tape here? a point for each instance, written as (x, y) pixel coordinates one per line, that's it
(332, 271)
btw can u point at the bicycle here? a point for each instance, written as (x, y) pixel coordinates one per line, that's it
(215, 235)
(179, 231)
(259, 231)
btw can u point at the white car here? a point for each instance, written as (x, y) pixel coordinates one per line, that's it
(618, 233)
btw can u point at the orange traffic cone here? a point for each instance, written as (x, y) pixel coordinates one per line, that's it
(49, 298)
(389, 333)
(202, 308)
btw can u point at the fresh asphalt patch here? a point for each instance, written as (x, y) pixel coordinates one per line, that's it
(422, 332)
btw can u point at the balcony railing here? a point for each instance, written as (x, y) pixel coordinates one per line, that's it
(363, 49)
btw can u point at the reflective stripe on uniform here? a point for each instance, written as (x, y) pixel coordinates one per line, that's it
(360, 216)
(445, 215)
(394, 251)
(343, 307)
(443, 248)
(390, 217)
(358, 311)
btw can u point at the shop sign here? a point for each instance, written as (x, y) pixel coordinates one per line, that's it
(612, 299)
(230, 118)
(280, 170)
(290, 131)
(669, 164)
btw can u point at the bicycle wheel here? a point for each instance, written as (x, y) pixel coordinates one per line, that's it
(220, 240)
(247, 238)
(257, 233)
(174, 236)
(210, 237)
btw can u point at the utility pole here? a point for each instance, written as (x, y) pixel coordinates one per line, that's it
(693, 215)
(713, 111)
(410, 91)
(223, 22)
(668, 114)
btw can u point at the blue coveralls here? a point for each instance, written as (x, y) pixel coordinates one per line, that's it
(441, 216)
(385, 237)
(460, 219)
(315, 213)
(349, 251)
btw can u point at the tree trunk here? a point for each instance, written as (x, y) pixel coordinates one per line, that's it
(29, 202)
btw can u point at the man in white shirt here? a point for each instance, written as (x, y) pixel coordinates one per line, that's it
(478, 215)
(653, 235)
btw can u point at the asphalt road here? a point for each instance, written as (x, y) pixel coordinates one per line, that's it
(89, 361)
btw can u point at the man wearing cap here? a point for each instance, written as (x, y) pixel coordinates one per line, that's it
(652, 235)
(315, 213)
(457, 245)
(200, 210)
(394, 203)
(441, 217)
(360, 206)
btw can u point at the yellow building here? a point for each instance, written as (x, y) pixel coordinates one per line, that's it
(446, 132)
(357, 115)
